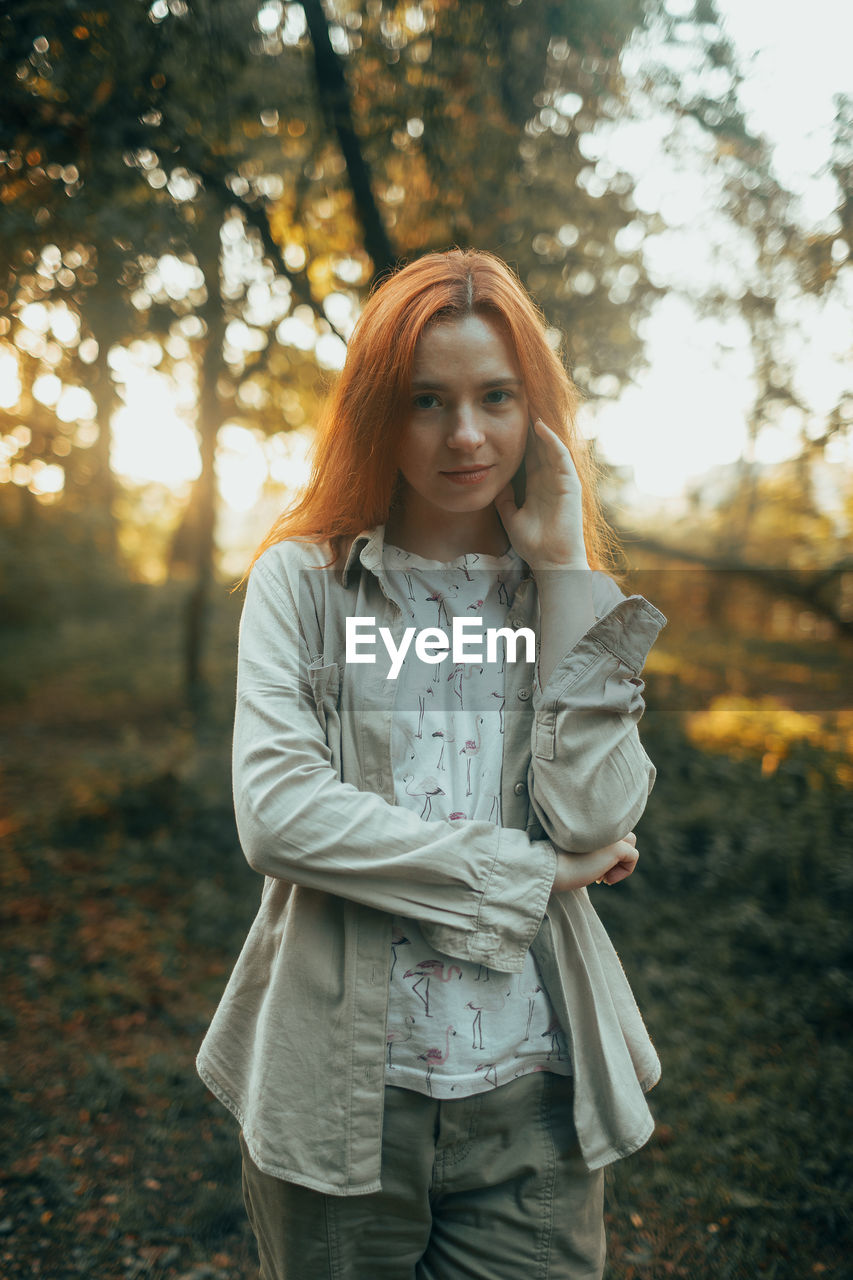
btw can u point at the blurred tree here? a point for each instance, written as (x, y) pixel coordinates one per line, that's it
(772, 524)
(477, 122)
(82, 185)
(68, 119)
(285, 154)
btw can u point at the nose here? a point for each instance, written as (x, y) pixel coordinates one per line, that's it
(465, 431)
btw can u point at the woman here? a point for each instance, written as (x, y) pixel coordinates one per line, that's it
(428, 1039)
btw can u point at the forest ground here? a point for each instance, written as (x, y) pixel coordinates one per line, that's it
(125, 900)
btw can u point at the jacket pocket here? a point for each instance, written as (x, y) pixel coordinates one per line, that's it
(325, 681)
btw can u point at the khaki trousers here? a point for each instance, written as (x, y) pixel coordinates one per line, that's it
(491, 1187)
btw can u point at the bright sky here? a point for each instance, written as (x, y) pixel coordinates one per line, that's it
(687, 412)
(797, 57)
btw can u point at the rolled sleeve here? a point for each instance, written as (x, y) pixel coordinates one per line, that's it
(589, 777)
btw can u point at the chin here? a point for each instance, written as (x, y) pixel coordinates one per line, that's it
(472, 502)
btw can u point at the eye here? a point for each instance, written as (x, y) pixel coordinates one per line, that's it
(498, 395)
(426, 400)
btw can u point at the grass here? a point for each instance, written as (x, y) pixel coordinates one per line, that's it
(125, 901)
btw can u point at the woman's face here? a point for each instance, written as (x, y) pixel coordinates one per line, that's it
(466, 432)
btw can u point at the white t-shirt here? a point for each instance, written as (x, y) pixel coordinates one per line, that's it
(456, 1028)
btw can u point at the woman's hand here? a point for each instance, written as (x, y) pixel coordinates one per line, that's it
(547, 531)
(608, 865)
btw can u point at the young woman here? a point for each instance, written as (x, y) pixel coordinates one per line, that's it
(428, 1039)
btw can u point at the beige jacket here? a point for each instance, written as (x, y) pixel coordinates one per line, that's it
(296, 1048)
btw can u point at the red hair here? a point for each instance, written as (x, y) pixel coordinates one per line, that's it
(354, 470)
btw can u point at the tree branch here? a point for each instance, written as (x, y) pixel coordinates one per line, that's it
(806, 589)
(335, 99)
(257, 217)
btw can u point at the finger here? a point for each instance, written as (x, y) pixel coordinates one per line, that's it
(544, 446)
(535, 452)
(556, 451)
(623, 864)
(631, 837)
(620, 872)
(546, 433)
(626, 851)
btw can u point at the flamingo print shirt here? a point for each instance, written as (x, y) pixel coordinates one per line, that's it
(455, 1028)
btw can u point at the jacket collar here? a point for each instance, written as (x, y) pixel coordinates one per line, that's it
(367, 549)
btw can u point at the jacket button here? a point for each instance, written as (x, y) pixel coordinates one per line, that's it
(524, 694)
(520, 788)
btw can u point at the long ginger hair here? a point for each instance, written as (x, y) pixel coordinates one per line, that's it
(354, 471)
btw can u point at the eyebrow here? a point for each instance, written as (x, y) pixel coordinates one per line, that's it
(501, 380)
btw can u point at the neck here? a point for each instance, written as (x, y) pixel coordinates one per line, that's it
(447, 538)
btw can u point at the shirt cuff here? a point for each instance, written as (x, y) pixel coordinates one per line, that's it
(511, 908)
(628, 632)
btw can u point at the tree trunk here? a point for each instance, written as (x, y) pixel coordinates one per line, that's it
(203, 500)
(334, 96)
(101, 317)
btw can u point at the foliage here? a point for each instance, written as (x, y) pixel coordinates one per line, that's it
(127, 127)
(198, 186)
(737, 946)
(769, 730)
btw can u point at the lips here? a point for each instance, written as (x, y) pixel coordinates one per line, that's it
(468, 475)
